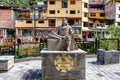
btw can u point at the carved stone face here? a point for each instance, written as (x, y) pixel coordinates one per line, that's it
(65, 23)
(63, 62)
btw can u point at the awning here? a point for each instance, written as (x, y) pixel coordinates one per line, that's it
(85, 29)
(76, 25)
(5, 27)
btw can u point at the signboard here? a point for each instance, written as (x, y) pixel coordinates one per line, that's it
(63, 62)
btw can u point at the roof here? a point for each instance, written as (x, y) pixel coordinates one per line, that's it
(5, 27)
(4, 7)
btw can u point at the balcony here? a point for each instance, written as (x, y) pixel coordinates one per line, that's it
(29, 17)
(96, 10)
(94, 2)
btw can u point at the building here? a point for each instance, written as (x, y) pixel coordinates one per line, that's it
(75, 11)
(50, 17)
(30, 22)
(96, 13)
(6, 22)
(96, 17)
(112, 11)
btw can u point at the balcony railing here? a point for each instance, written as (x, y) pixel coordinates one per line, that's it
(28, 18)
(96, 10)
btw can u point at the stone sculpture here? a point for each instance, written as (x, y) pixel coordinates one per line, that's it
(62, 38)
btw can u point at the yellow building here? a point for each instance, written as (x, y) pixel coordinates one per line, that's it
(30, 21)
(44, 19)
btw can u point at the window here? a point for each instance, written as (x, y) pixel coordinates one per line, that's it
(118, 16)
(52, 12)
(72, 2)
(44, 11)
(41, 21)
(26, 32)
(72, 11)
(66, 11)
(58, 11)
(119, 8)
(118, 24)
(78, 11)
(85, 14)
(19, 32)
(64, 3)
(51, 22)
(92, 14)
(102, 14)
(52, 2)
(85, 24)
(35, 14)
(85, 5)
(29, 21)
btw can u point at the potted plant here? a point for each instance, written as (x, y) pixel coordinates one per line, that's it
(108, 52)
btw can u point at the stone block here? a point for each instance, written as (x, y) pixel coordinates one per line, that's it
(51, 43)
(63, 65)
(108, 57)
(6, 62)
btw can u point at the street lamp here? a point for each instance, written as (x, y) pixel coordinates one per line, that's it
(34, 30)
(36, 10)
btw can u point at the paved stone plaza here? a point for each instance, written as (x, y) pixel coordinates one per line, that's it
(31, 70)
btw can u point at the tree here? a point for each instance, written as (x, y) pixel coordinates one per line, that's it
(114, 31)
(17, 2)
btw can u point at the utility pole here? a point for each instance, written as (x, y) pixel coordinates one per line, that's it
(34, 31)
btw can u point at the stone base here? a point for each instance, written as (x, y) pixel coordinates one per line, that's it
(108, 57)
(6, 62)
(63, 65)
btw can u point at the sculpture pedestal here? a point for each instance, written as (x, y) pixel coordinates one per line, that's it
(60, 65)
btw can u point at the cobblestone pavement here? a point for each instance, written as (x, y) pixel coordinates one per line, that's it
(28, 70)
(31, 70)
(95, 71)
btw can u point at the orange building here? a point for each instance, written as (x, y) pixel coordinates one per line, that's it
(96, 13)
(96, 16)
